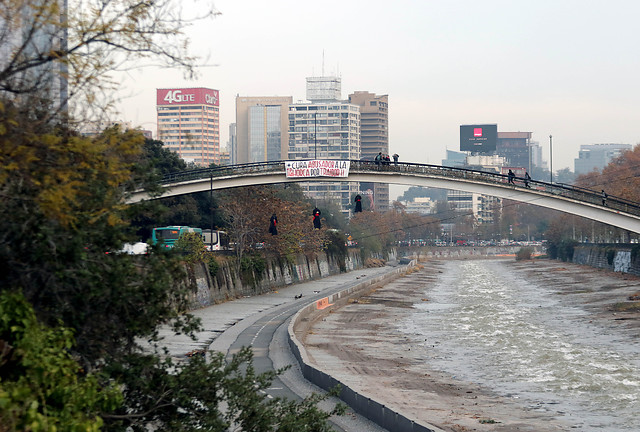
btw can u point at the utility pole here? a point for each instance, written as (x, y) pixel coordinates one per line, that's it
(551, 157)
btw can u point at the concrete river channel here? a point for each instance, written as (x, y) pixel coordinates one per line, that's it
(488, 324)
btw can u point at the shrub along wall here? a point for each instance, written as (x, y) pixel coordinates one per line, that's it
(258, 274)
(623, 258)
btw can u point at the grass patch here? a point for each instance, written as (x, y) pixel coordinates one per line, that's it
(488, 421)
(627, 307)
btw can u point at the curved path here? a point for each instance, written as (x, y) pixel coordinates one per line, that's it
(262, 323)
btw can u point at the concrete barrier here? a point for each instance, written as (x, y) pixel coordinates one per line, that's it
(369, 408)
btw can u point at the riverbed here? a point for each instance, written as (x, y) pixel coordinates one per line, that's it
(494, 345)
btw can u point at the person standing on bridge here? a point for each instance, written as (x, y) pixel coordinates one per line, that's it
(395, 158)
(527, 179)
(378, 158)
(604, 198)
(273, 225)
(511, 176)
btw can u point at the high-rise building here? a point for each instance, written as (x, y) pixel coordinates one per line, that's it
(262, 128)
(232, 145)
(26, 48)
(516, 148)
(597, 156)
(374, 138)
(325, 128)
(324, 89)
(189, 123)
(484, 208)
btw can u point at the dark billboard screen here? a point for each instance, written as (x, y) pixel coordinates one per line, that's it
(479, 138)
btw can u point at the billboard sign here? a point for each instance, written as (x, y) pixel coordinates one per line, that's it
(317, 168)
(187, 96)
(479, 138)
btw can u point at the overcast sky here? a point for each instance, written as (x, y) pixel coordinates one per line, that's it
(570, 69)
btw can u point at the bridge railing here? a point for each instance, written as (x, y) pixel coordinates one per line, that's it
(559, 189)
(223, 171)
(360, 166)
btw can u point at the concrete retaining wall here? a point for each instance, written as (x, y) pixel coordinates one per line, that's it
(227, 283)
(367, 407)
(622, 258)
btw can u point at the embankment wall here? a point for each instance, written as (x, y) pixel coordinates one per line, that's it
(367, 407)
(227, 283)
(624, 258)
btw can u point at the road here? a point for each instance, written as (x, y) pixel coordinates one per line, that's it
(261, 322)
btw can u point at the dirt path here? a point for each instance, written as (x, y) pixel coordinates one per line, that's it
(361, 344)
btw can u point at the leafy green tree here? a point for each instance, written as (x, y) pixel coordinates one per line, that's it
(191, 247)
(42, 388)
(62, 220)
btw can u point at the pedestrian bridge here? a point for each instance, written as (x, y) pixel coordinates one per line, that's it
(570, 199)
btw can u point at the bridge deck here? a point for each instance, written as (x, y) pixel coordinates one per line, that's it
(413, 169)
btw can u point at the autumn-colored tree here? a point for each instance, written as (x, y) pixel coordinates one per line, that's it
(247, 212)
(621, 177)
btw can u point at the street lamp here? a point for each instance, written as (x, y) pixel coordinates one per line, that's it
(315, 135)
(551, 157)
(211, 212)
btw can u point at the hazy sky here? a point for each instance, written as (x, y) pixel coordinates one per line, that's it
(566, 68)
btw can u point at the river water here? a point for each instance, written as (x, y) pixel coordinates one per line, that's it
(483, 323)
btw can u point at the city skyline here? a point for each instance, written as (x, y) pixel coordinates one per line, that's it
(551, 68)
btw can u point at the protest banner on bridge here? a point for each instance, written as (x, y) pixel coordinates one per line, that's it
(317, 168)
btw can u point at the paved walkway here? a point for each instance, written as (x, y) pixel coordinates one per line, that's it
(223, 322)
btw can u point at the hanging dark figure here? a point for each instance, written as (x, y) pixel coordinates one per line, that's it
(358, 208)
(316, 218)
(604, 198)
(527, 179)
(273, 225)
(511, 176)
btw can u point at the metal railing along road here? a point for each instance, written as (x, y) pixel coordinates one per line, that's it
(361, 167)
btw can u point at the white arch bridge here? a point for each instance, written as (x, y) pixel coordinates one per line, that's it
(570, 199)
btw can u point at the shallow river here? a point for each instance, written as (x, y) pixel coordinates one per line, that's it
(486, 325)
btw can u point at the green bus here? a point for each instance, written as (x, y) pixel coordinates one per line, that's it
(168, 235)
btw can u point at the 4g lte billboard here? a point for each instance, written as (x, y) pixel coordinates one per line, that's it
(479, 138)
(187, 96)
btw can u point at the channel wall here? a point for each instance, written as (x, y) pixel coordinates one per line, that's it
(365, 406)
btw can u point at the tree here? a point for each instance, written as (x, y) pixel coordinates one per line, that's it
(84, 43)
(247, 211)
(41, 385)
(61, 222)
(620, 178)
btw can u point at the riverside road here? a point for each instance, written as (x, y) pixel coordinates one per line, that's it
(260, 322)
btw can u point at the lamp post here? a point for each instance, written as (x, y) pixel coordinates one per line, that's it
(551, 157)
(211, 212)
(315, 135)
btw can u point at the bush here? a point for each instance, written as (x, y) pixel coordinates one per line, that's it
(252, 267)
(562, 250)
(524, 253)
(191, 246)
(212, 265)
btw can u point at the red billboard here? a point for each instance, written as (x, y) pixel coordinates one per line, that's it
(187, 96)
